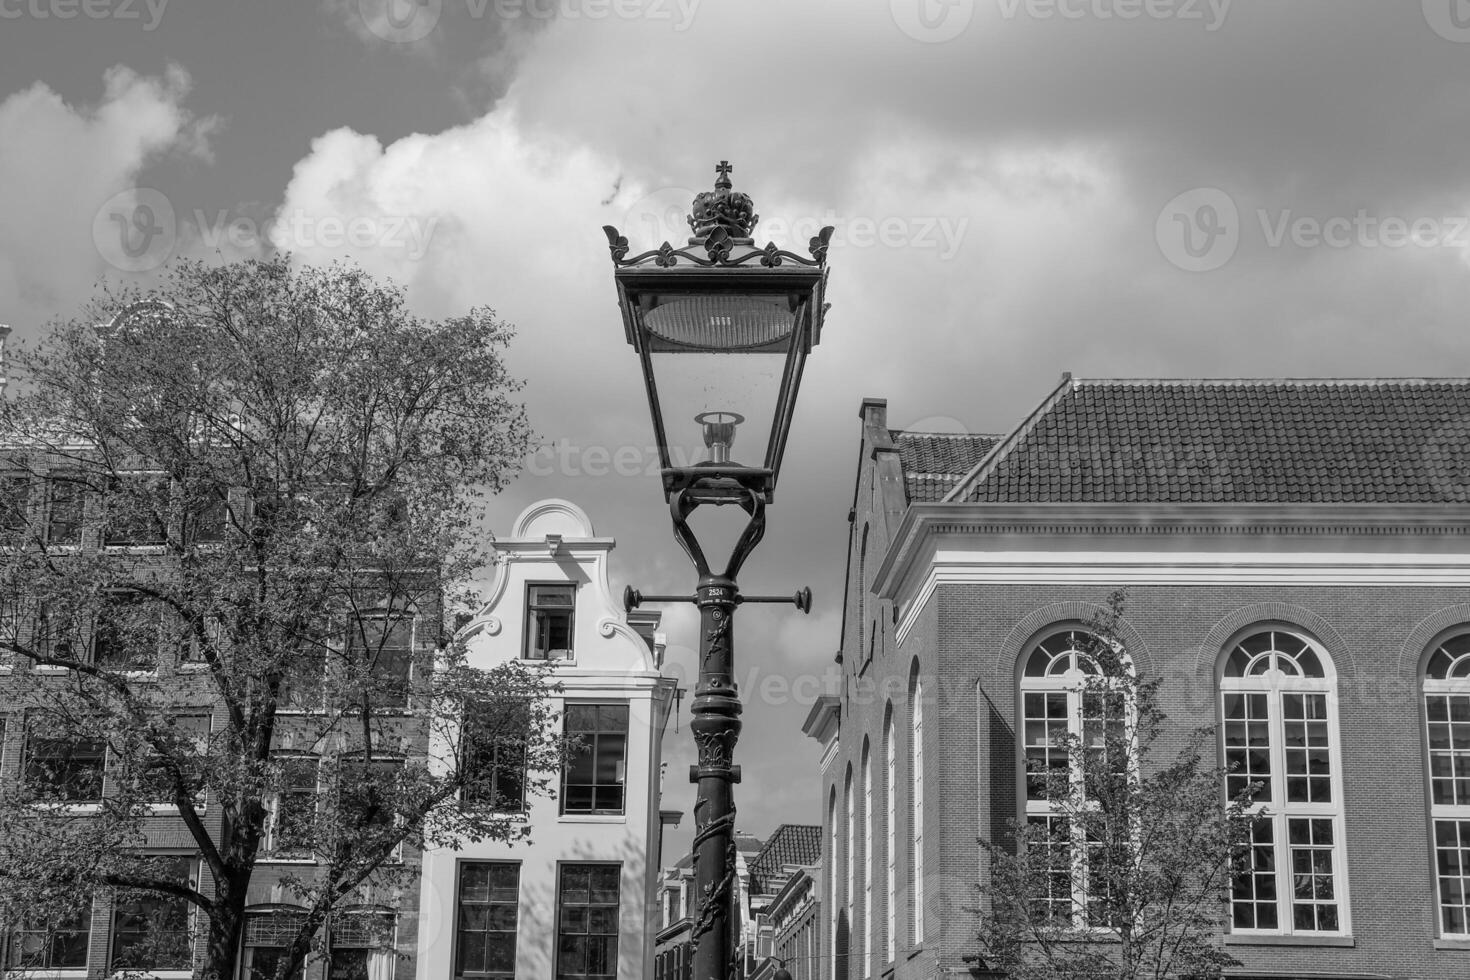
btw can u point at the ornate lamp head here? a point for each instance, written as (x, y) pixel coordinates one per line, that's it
(726, 334)
(723, 208)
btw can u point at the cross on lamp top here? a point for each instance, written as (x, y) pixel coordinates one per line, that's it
(722, 171)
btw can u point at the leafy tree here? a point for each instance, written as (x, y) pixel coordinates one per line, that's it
(1128, 877)
(234, 524)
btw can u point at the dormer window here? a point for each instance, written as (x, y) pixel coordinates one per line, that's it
(549, 610)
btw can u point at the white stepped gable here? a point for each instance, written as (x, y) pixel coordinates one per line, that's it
(553, 542)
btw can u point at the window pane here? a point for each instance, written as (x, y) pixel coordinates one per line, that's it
(14, 494)
(494, 757)
(137, 509)
(587, 922)
(151, 931)
(65, 770)
(593, 780)
(126, 633)
(485, 943)
(549, 619)
(64, 516)
(56, 945)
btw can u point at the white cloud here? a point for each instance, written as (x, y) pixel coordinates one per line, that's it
(62, 163)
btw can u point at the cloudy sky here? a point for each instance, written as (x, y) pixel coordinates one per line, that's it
(1118, 188)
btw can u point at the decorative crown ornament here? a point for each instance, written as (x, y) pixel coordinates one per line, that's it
(722, 208)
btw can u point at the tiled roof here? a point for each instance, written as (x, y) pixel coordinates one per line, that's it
(1277, 441)
(791, 845)
(934, 462)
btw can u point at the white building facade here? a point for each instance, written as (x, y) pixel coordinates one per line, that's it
(574, 902)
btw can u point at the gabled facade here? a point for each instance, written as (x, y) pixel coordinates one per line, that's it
(1296, 558)
(583, 888)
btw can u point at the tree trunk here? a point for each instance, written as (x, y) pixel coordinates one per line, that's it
(226, 929)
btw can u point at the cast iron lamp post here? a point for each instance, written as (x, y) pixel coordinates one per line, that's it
(722, 330)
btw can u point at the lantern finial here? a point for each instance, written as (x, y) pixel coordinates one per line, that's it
(723, 208)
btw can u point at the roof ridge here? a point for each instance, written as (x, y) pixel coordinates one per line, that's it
(1006, 443)
(946, 435)
(1269, 381)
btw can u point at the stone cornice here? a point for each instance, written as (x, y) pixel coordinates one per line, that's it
(928, 520)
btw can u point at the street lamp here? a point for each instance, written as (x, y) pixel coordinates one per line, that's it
(722, 330)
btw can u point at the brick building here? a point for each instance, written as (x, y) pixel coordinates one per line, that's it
(1296, 558)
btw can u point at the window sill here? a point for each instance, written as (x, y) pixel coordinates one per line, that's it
(42, 973)
(1460, 944)
(609, 818)
(167, 809)
(1252, 939)
(136, 549)
(81, 808)
(914, 952)
(285, 860)
(192, 667)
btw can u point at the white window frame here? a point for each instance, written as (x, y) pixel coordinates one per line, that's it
(833, 846)
(891, 798)
(1275, 684)
(867, 859)
(272, 828)
(1450, 686)
(917, 759)
(849, 898)
(1068, 642)
(247, 948)
(193, 927)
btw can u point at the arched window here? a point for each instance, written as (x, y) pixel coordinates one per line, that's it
(850, 897)
(867, 860)
(917, 760)
(890, 799)
(1058, 709)
(1447, 717)
(1279, 711)
(832, 852)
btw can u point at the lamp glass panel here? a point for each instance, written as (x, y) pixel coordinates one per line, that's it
(748, 384)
